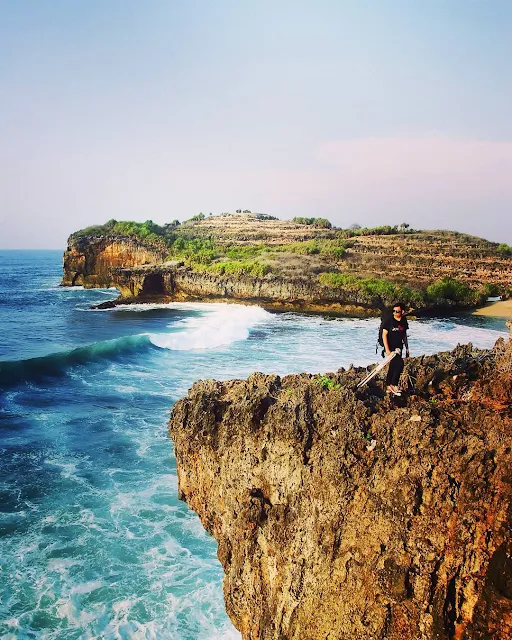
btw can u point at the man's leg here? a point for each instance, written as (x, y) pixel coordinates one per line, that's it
(396, 366)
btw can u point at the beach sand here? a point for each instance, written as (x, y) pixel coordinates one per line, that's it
(500, 309)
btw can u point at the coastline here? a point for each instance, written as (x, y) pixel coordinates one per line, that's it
(500, 309)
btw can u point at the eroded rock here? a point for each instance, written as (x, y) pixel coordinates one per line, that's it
(321, 536)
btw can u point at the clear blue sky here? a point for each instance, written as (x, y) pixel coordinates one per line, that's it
(368, 112)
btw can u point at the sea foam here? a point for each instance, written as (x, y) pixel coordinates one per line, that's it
(223, 325)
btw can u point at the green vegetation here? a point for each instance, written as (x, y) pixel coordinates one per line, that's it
(383, 230)
(327, 383)
(318, 223)
(245, 252)
(204, 255)
(148, 231)
(487, 290)
(332, 248)
(374, 288)
(196, 218)
(449, 289)
(263, 216)
(193, 251)
(248, 268)
(504, 250)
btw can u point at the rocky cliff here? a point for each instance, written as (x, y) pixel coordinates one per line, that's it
(90, 261)
(343, 515)
(177, 282)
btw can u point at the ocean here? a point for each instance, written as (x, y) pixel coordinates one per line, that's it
(94, 542)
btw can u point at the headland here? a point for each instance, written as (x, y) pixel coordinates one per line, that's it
(303, 265)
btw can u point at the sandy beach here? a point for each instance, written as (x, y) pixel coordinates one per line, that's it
(500, 309)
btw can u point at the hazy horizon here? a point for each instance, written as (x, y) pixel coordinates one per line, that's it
(364, 113)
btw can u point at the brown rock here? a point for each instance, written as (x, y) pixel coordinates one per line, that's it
(320, 537)
(90, 261)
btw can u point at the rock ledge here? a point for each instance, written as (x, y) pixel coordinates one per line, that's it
(322, 537)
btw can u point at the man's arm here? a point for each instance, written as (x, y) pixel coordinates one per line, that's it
(385, 341)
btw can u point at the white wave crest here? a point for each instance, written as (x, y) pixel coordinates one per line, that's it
(445, 333)
(222, 325)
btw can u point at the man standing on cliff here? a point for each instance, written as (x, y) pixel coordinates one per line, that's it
(394, 336)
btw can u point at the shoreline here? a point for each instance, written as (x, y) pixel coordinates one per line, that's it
(500, 309)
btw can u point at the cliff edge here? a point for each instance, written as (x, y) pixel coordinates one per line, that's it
(343, 515)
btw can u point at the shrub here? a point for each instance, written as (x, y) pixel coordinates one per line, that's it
(245, 252)
(384, 290)
(249, 268)
(383, 230)
(320, 223)
(264, 216)
(504, 250)
(449, 289)
(338, 280)
(332, 248)
(328, 384)
(488, 289)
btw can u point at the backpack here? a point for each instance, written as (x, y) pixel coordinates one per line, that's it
(380, 341)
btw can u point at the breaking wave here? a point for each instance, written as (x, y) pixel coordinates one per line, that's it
(224, 325)
(57, 364)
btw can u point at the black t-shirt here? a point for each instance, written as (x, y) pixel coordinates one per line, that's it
(396, 332)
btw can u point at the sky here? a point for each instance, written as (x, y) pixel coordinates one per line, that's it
(363, 112)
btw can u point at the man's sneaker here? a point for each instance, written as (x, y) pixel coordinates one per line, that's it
(395, 391)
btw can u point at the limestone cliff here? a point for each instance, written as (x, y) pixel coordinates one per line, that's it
(177, 282)
(90, 261)
(342, 515)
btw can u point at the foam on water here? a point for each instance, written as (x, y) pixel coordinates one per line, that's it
(223, 325)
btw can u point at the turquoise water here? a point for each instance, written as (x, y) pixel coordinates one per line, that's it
(94, 542)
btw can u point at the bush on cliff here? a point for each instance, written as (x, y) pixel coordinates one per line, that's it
(447, 290)
(194, 251)
(382, 230)
(488, 289)
(330, 248)
(148, 231)
(245, 252)
(504, 250)
(451, 290)
(319, 223)
(247, 268)
(384, 291)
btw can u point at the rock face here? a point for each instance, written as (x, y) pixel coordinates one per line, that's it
(325, 534)
(174, 281)
(90, 261)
